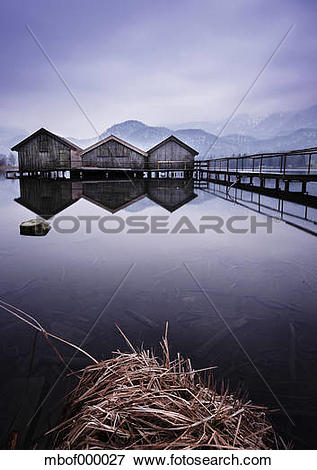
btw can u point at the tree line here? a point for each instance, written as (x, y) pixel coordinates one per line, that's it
(8, 160)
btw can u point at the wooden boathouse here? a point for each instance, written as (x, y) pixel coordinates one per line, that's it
(44, 151)
(113, 153)
(171, 154)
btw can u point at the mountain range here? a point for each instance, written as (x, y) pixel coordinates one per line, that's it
(260, 127)
(244, 134)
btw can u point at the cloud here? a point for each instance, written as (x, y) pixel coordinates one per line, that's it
(158, 61)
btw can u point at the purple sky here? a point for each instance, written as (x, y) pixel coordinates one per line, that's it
(159, 61)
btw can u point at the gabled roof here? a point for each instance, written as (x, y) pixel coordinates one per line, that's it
(173, 139)
(55, 136)
(120, 141)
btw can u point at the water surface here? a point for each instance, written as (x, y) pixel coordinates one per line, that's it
(263, 284)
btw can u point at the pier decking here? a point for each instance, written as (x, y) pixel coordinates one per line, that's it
(256, 170)
(181, 170)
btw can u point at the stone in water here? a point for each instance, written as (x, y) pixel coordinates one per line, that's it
(35, 227)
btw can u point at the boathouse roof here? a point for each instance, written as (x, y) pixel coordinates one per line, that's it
(64, 141)
(120, 141)
(172, 138)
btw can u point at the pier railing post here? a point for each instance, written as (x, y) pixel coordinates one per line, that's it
(309, 164)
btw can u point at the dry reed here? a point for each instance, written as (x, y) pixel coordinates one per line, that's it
(137, 401)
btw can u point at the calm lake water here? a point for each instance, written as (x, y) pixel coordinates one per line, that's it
(263, 284)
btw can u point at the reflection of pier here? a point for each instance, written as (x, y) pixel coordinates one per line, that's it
(296, 209)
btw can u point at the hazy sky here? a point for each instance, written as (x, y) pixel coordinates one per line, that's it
(159, 61)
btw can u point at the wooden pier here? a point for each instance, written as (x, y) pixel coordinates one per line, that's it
(253, 180)
(81, 173)
(257, 170)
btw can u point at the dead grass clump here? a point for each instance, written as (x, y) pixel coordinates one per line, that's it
(136, 401)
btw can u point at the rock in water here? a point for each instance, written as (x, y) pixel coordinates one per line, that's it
(35, 227)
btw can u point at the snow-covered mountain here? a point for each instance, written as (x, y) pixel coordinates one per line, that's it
(138, 133)
(260, 127)
(83, 143)
(239, 124)
(207, 144)
(285, 123)
(145, 137)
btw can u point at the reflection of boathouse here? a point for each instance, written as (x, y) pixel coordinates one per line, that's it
(48, 197)
(171, 194)
(113, 195)
(43, 152)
